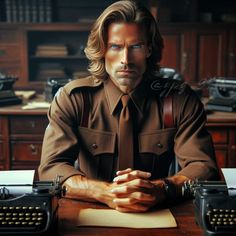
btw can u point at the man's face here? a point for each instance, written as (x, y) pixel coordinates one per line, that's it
(126, 55)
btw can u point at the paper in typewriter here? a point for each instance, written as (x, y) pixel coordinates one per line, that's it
(112, 218)
(17, 182)
(230, 179)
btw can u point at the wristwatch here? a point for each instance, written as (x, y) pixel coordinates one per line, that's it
(170, 189)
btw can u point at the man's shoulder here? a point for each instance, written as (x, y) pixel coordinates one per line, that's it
(89, 82)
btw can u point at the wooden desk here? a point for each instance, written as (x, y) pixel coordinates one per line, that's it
(68, 214)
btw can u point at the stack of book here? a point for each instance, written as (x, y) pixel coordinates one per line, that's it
(50, 70)
(51, 50)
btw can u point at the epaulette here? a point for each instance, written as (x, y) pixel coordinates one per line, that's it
(89, 81)
(165, 87)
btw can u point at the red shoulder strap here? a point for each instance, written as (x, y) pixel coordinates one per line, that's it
(84, 120)
(168, 120)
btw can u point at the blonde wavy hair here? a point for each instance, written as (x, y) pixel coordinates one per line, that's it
(127, 11)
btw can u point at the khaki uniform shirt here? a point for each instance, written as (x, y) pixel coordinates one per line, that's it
(95, 146)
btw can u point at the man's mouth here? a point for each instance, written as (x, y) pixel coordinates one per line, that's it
(126, 71)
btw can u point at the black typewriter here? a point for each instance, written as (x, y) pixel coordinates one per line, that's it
(52, 86)
(7, 94)
(30, 213)
(222, 94)
(215, 210)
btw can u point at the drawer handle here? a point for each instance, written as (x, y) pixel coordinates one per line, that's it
(32, 124)
(3, 53)
(184, 62)
(33, 149)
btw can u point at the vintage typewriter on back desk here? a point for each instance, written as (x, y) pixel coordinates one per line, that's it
(7, 94)
(222, 94)
(30, 213)
(215, 210)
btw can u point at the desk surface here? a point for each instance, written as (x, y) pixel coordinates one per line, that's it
(68, 213)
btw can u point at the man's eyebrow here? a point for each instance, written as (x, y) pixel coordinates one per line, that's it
(116, 43)
(132, 43)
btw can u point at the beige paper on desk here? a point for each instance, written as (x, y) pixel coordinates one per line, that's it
(112, 218)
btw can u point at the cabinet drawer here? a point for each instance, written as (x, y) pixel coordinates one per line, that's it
(9, 53)
(28, 124)
(8, 36)
(219, 136)
(26, 151)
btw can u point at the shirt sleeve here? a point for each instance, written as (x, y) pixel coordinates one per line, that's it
(60, 144)
(193, 144)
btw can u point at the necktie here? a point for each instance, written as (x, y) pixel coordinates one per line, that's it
(126, 153)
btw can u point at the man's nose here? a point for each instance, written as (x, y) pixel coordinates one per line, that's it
(125, 58)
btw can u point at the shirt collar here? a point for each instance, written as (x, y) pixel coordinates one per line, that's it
(113, 95)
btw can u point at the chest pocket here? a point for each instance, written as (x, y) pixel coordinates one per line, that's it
(156, 151)
(96, 157)
(157, 142)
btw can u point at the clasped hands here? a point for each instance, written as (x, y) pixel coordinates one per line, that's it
(132, 191)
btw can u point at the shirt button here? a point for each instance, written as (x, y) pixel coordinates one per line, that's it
(94, 146)
(159, 145)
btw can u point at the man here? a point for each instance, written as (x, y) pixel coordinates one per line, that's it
(86, 120)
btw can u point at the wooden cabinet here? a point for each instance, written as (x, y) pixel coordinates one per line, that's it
(21, 135)
(222, 127)
(198, 51)
(18, 52)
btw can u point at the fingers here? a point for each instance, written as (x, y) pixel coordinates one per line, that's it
(135, 202)
(134, 198)
(128, 175)
(137, 185)
(121, 172)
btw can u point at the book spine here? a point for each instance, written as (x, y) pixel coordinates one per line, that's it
(15, 16)
(34, 11)
(8, 7)
(21, 10)
(41, 10)
(48, 10)
(27, 11)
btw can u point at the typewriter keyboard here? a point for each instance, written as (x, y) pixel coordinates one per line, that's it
(22, 218)
(222, 219)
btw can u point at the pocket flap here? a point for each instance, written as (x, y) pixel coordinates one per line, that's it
(97, 142)
(157, 142)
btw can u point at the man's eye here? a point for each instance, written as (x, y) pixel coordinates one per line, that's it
(114, 47)
(136, 46)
